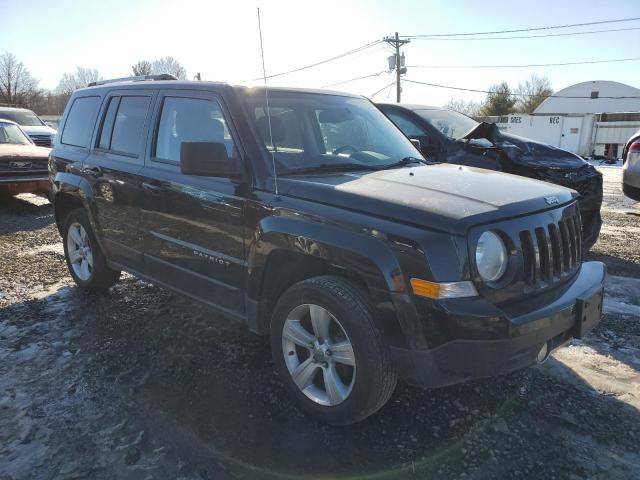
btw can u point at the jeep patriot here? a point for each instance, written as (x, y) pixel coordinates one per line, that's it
(310, 217)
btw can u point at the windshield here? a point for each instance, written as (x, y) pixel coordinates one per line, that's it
(12, 134)
(312, 130)
(26, 118)
(451, 124)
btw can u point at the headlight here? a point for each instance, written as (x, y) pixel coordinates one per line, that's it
(491, 257)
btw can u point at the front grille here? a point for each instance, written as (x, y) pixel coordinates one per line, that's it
(41, 140)
(553, 251)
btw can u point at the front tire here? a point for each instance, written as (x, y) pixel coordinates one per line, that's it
(328, 352)
(85, 260)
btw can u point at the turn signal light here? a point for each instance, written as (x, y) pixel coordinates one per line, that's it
(437, 290)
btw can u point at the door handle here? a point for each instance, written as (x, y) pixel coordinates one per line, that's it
(153, 188)
(94, 172)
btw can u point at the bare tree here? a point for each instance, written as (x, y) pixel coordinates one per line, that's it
(532, 93)
(142, 67)
(17, 86)
(469, 108)
(168, 65)
(72, 81)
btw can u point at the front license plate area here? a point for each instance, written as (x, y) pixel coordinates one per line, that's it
(588, 313)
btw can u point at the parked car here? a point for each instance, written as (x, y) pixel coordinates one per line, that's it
(449, 136)
(41, 133)
(360, 260)
(631, 167)
(23, 165)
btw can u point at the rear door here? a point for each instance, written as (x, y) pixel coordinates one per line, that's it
(192, 226)
(112, 169)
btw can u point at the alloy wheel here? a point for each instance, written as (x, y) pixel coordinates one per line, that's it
(79, 251)
(318, 355)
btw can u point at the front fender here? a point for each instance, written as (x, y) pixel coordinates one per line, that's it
(358, 251)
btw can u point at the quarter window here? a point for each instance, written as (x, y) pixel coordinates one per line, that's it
(190, 120)
(80, 121)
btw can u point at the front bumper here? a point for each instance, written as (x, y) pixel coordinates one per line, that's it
(25, 184)
(573, 314)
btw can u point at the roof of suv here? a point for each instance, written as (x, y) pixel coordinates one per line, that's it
(205, 85)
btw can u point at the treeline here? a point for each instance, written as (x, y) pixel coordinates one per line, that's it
(18, 88)
(502, 100)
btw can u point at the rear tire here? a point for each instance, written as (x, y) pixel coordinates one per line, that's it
(323, 333)
(85, 260)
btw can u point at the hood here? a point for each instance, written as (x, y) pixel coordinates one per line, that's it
(445, 197)
(9, 150)
(522, 150)
(39, 130)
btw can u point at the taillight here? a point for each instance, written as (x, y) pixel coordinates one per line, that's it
(634, 152)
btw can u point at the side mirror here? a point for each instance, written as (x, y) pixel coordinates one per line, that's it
(425, 146)
(207, 159)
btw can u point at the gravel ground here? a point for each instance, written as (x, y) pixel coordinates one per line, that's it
(141, 383)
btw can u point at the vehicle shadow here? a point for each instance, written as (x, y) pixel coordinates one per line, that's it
(206, 386)
(615, 265)
(20, 214)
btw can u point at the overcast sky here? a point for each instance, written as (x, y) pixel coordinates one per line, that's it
(220, 40)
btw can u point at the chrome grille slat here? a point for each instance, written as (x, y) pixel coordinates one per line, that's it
(566, 244)
(556, 248)
(544, 245)
(572, 240)
(551, 252)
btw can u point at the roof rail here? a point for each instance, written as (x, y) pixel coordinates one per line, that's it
(141, 78)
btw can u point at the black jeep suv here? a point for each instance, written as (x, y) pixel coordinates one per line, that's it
(449, 136)
(312, 218)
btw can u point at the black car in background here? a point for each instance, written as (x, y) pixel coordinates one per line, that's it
(451, 137)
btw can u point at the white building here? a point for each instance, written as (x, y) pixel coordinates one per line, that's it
(598, 96)
(596, 117)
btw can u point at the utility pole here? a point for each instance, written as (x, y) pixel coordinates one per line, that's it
(399, 61)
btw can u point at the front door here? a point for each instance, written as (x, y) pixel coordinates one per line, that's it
(192, 226)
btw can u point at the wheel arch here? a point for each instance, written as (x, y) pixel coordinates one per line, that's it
(285, 251)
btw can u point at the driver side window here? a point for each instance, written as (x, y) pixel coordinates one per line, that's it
(408, 127)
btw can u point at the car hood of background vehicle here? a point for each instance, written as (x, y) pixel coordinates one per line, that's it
(38, 130)
(8, 150)
(445, 197)
(524, 150)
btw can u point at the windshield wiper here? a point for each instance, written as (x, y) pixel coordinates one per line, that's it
(329, 167)
(406, 161)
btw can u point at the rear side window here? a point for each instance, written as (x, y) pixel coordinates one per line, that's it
(80, 121)
(128, 125)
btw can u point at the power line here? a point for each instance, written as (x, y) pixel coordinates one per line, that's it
(353, 79)
(566, 34)
(336, 57)
(513, 94)
(586, 62)
(530, 29)
(378, 91)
